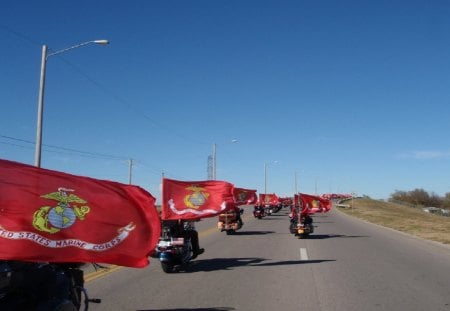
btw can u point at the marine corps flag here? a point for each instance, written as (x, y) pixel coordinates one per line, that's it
(268, 199)
(314, 204)
(244, 196)
(195, 199)
(50, 216)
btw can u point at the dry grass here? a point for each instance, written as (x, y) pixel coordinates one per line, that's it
(402, 218)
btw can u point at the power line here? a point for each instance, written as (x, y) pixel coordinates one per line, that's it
(131, 107)
(69, 150)
(19, 35)
(80, 153)
(107, 91)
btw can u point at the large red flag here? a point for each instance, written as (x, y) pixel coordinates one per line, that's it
(195, 199)
(51, 216)
(268, 199)
(314, 204)
(287, 201)
(244, 196)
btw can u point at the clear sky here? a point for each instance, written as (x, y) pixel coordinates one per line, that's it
(349, 96)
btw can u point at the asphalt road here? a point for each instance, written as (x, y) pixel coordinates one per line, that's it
(346, 264)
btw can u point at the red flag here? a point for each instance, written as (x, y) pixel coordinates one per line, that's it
(56, 217)
(244, 196)
(314, 204)
(268, 199)
(195, 199)
(287, 201)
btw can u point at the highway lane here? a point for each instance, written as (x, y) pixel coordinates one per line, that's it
(377, 268)
(346, 264)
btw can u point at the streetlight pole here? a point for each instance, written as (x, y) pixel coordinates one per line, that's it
(295, 175)
(265, 175)
(214, 162)
(130, 169)
(265, 178)
(214, 158)
(45, 56)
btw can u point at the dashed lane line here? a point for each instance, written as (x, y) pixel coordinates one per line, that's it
(303, 254)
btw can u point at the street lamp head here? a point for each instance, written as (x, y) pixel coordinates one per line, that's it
(101, 41)
(45, 56)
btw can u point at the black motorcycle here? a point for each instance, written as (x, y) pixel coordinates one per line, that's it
(259, 212)
(174, 248)
(302, 227)
(42, 286)
(275, 208)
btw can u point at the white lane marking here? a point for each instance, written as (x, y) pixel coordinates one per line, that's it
(303, 254)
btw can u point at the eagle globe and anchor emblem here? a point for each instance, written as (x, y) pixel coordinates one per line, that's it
(63, 215)
(242, 196)
(197, 198)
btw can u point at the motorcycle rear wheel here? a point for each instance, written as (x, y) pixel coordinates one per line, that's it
(167, 267)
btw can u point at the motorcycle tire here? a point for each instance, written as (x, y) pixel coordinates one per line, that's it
(64, 306)
(167, 267)
(303, 236)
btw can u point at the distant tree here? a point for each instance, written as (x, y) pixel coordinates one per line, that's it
(420, 197)
(446, 200)
(435, 200)
(399, 195)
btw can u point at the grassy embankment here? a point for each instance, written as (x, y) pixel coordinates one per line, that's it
(402, 218)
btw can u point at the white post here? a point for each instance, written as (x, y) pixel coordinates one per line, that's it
(40, 113)
(130, 169)
(37, 154)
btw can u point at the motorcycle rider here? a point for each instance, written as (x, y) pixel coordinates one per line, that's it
(258, 207)
(186, 229)
(237, 212)
(190, 232)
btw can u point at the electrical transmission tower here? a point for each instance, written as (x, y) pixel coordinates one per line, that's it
(209, 168)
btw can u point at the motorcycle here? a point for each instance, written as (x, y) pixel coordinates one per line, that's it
(230, 222)
(42, 286)
(274, 208)
(259, 212)
(172, 250)
(303, 228)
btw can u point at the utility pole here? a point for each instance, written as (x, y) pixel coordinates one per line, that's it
(209, 168)
(130, 168)
(40, 113)
(214, 162)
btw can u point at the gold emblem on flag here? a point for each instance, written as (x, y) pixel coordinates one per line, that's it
(242, 195)
(315, 203)
(63, 215)
(197, 198)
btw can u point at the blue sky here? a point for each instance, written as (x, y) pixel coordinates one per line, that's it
(349, 96)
